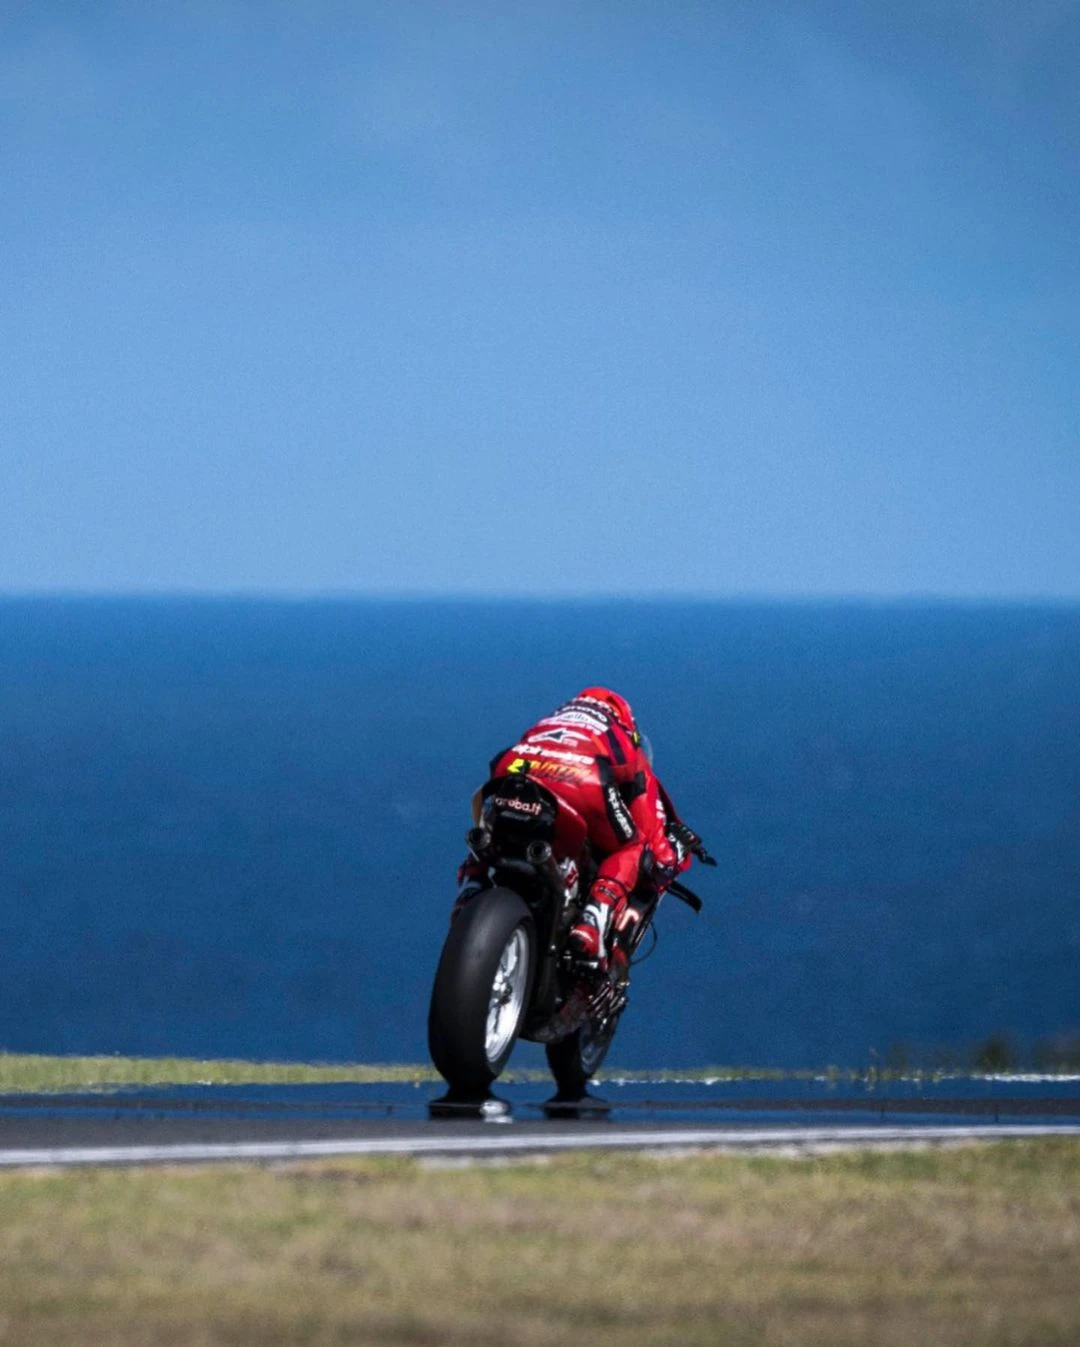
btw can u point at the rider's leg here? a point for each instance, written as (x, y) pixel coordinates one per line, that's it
(591, 937)
(472, 877)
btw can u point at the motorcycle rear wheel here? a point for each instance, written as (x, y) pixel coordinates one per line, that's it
(482, 990)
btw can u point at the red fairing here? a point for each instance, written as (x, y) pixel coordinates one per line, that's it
(588, 754)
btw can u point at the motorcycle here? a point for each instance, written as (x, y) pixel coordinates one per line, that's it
(505, 971)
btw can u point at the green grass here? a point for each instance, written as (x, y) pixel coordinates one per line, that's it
(964, 1247)
(32, 1073)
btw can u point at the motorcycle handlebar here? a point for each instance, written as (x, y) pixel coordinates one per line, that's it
(688, 896)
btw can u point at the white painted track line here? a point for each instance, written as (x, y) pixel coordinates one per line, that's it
(506, 1141)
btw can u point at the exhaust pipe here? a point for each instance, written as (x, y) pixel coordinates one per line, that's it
(478, 840)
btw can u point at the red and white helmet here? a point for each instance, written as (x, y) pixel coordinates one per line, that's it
(619, 705)
(623, 714)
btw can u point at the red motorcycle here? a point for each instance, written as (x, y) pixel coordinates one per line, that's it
(505, 971)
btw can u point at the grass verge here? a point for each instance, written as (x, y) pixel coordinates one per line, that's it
(33, 1073)
(966, 1246)
(38, 1073)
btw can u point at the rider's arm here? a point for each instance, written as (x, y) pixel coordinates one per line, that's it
(644, 796)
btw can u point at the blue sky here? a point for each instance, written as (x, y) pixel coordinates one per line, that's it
(549, 298)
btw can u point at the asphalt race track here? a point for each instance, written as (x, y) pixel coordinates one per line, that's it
(207, 1123)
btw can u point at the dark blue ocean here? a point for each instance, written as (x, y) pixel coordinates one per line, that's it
(230, 827)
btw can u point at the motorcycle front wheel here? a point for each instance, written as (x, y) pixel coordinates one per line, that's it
(574, 1060)
(482, 988)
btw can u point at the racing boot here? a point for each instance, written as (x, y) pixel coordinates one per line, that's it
(588, 940)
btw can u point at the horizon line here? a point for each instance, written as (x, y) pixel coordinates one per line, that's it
(547, 597)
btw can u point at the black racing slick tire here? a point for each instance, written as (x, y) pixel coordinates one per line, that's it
(574, 1060)
(482, 989)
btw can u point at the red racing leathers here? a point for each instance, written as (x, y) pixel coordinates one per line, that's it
(591, 758)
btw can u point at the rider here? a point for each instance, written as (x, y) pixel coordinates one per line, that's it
(590, 754)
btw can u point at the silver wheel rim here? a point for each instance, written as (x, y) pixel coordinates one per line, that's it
(507, 996)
